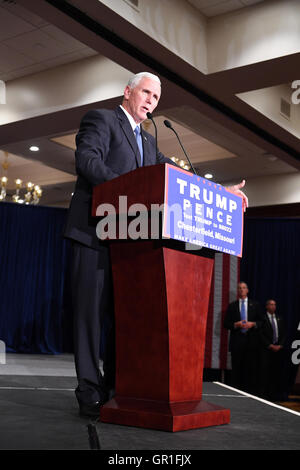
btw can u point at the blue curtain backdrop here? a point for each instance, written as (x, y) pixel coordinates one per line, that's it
(271, 268)
(271, 264)
(35, 304)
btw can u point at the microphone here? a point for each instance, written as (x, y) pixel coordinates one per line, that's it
(169, 125)
(149, 116)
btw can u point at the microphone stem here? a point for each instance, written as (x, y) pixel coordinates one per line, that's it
(184, 151)
(155, 139)
(155, 129)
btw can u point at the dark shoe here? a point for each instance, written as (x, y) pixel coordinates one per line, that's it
(90, 410)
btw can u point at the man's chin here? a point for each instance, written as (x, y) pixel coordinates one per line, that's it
(143, 115)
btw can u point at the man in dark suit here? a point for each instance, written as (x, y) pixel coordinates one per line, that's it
(109, 143)
(106, 148)
(272, 339)
(243, 319)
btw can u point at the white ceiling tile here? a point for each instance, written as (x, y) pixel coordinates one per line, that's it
(18, 11)
(251, 2)
(28, 44)
(12, 25)
(37, 45)
(11, 60)
(217, 7)
(87, 52)
(23, 71)
(205, 3)
(63, 59)
(65, 40)
(221, 8)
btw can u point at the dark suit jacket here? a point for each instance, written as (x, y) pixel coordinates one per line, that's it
(266, 331)
(233, 315)
(106, 149)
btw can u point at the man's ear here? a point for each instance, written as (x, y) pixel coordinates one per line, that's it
(127, 92)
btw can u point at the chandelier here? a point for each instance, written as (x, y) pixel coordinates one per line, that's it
(33, 193)
(181, 163)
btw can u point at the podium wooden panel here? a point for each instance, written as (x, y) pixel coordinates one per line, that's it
(161, 300)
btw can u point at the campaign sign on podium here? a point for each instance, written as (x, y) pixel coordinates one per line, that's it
(201, 212)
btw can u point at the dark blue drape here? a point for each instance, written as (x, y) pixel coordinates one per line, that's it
(271, 268)
(35, 312)
(271, 264)
(35, 301)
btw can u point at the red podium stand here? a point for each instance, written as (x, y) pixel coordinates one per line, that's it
(161, 302)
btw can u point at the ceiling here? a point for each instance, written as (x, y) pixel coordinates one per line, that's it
(212, 8)
(30, 44)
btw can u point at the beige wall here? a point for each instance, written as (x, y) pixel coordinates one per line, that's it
(252, 34)
(89, 80)
(264, 31)
(267, 101)
(175, 24)
(272, 190)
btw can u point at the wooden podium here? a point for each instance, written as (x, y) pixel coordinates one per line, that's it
(161, 295)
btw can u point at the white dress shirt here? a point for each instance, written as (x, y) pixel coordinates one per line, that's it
(130, 118)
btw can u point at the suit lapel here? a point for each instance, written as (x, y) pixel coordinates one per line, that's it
(251, 310)
(237, 310)
(127, 130)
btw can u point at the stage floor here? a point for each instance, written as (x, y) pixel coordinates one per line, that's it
(38, 410)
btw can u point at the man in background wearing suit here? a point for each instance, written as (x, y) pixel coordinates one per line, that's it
(272, 338)
(109, 143)
(243, 319)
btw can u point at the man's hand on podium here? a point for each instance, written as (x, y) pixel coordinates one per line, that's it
(237, 189)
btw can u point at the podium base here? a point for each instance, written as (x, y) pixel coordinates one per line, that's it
(163, 416)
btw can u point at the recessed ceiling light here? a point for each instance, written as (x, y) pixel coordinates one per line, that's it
(34, 148)
(208, 176)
